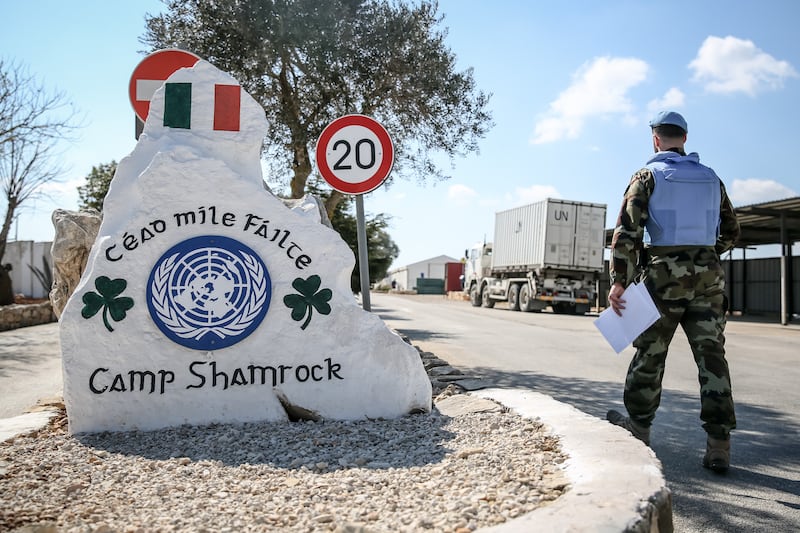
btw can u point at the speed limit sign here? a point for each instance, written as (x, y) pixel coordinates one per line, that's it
(354, 154)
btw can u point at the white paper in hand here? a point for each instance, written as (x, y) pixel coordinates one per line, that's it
(639, 314)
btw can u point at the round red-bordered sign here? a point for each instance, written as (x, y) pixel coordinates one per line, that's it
(354, 154)
(150, 74)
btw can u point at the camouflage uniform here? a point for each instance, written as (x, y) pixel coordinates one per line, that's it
(687, 284)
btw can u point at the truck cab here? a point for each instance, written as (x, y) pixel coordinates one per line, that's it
(477, 267)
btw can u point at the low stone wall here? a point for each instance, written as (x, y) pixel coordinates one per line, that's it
(21, 315)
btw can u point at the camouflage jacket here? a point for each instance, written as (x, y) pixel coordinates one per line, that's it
(626, 245)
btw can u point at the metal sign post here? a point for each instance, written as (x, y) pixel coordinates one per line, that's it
(363, 261)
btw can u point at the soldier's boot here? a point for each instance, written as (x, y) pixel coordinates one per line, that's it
(637, 430)
(718, 454)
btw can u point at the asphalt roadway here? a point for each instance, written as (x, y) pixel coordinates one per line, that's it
(566, 358)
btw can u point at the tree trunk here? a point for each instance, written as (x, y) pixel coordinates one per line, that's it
(302, 169)
(332, 201)
(292, 114)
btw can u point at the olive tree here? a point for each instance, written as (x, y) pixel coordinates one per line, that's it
(308, 62)
(381, 249)
(92, 193)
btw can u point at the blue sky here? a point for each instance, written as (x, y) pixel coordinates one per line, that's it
(573, 86)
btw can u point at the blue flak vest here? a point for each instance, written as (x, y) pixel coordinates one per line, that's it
(684, 206)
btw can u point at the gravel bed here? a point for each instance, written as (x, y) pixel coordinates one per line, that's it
(417, 473)
(422, 472)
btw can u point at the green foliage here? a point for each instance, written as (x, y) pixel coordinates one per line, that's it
(43, 275)
(108, 299)
(93, 193)
(308, 62)
(381, 249)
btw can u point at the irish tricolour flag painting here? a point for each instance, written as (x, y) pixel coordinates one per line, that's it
(179, 97)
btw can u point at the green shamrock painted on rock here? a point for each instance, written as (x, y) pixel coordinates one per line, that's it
(308, 299)
(108, 299)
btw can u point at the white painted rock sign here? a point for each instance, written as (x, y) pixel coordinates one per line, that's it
(205, 299)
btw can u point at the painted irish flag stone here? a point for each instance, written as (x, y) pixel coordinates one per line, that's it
(205, 299)
(178, 106)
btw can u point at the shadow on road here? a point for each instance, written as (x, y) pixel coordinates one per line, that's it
(761, 491)
(22, 349)
(766, 457)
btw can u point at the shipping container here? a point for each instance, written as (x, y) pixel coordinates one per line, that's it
(549, 253)
(454, 276)
(550, 234)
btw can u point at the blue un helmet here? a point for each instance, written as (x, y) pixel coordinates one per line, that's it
(669, 117)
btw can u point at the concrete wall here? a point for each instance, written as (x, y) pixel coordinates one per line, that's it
(21, 254)
(400, 279)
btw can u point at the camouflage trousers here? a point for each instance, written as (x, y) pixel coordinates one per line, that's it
(688, 286)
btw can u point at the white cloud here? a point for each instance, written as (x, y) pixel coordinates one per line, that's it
(534, 193)
(599, 88)
(729, 65)
(62, 187)
(672, 99)
(460, 195)
(754, 191)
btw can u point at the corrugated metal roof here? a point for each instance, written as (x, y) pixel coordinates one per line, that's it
(761, 223)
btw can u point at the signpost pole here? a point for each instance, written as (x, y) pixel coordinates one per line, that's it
(363, 265)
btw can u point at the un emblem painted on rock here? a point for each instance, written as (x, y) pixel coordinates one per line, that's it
(208, 292)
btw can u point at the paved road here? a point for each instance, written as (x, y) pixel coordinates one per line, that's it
(30, 367)
(566, 358)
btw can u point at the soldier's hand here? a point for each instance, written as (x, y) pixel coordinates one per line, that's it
(615, 298)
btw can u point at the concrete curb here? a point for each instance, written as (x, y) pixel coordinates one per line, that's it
(25, 423)
(617, 484)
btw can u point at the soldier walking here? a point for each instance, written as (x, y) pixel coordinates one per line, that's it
(684, 209)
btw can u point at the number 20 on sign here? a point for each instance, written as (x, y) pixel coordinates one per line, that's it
(354, 154)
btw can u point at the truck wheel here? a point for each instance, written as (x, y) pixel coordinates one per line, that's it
(513, 297)
(485, 300)
(524, 298)
(474, 296)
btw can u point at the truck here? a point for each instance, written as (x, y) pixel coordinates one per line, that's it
(548, 253)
